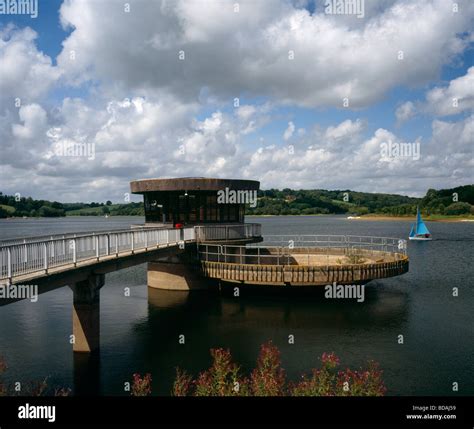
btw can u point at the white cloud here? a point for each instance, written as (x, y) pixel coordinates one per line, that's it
(34, 121)
(454, 98)
(405, 112)
(232, 53)
(457, 97)
(345, 129)
(245, 112)
(26, 74)
(451, 138)
(176, 122)
(317, 163)
(130, 143)
(289, 131)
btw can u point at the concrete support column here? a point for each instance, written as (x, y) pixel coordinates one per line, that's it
(86, 313)
(177, 272)
(175, 276)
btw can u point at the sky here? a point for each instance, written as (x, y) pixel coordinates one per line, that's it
(296, 94)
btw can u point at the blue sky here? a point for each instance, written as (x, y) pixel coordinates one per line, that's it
(126, 68)
(47, 25)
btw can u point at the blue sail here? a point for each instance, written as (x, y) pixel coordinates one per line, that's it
(412, 231)
(420, 227)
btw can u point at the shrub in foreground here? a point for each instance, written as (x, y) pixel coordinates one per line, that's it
(35, 388)
(225, 378)
(141, 386)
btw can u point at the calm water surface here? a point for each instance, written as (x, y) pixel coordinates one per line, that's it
(140, 333)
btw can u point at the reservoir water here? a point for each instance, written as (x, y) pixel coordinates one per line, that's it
(140, 333)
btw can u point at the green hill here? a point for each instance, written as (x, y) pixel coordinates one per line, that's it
(319, 201)
(131, 209)
(457, 201)
(451, 202)
(9, 209)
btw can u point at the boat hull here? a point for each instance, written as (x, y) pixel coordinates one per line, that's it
(420, 238)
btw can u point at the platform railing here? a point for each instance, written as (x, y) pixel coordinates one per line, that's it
(37, 238)
(387, 244)
(37, 254)
(285, 256)
(353, 248)
(228, 232)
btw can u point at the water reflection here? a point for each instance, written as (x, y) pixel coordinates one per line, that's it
(242, 324)
(167, 298)
(296, 307)
(86, 374)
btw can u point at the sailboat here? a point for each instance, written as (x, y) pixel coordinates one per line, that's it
(419, 231)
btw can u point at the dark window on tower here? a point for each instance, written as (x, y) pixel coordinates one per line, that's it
(192, 208)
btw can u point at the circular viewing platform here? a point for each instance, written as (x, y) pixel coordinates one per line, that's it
(305, 260)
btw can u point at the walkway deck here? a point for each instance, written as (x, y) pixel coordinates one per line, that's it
(31, 259)
(303, 260)
(36, 258)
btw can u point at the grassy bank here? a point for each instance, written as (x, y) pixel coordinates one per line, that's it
(431, 218)
(385, 217)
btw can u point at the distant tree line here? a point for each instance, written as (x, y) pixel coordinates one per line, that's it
(455, 201)
(130, 209)
(13, 206)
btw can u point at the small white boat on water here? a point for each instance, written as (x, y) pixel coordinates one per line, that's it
(419, 231)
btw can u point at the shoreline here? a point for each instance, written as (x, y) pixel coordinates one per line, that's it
(411, 218)
(370, 217)
(376, 217)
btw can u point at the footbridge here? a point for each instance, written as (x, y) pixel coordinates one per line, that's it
(32, 266)
(185, 259)
(33, 259)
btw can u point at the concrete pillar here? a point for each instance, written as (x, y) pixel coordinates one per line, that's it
(175, 276)
(86, 313)
(177, 272)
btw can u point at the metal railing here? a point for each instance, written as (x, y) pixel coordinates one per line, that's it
(37, 254)
(41, 253)
(385, 244)
(355, 248)
(228, 232)
(38, 238)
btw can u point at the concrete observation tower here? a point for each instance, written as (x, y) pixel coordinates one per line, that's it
(216, 210)
(222, 247)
